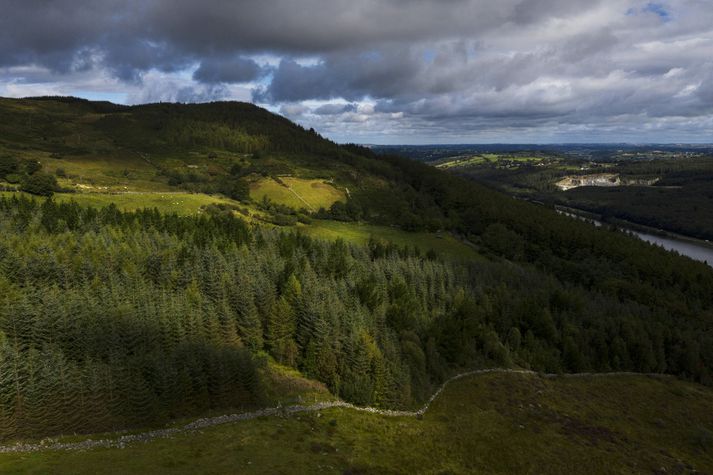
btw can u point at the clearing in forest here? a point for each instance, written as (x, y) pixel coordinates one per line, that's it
(297, 193)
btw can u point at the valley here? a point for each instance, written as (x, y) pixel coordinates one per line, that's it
(213, 262)
(659, 186)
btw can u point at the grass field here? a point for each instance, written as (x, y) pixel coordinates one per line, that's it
(462, 162)
(495, 423)
(111, 173)
(444, 244)
(168, 202)
(297, 193)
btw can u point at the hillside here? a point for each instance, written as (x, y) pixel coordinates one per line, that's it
(106, 147)
(174, 266)
(494, 423)
(185, 158)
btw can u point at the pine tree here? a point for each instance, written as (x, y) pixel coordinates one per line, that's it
(248, 320)
(281, 327)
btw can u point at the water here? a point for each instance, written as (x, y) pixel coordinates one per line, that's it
(692, 249)
(699, 252)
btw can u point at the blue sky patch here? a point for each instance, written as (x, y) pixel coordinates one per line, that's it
(657, 9)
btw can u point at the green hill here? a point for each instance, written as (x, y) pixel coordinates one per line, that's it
(393, 276)
(164, 145)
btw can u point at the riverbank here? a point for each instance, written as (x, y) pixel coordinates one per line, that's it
(694, 248)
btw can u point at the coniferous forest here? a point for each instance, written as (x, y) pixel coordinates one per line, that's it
(113, 319)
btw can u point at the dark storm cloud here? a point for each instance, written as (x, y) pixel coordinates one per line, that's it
(350, 76)
(53, 32)
(334, 109)
(228, 70)
(382, 66)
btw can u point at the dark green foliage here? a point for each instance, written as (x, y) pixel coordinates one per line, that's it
(236, 170)
(8, 165)
(151, 316)
(98, 332)
(686, 209)
(141, 317)
(236, 189)
(281, 329)
(681, 201)
(504, 241)
(42, 184)
(31, 166)
(13, 178)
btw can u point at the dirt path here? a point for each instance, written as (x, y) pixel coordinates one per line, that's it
(309, 206)
(283, 411)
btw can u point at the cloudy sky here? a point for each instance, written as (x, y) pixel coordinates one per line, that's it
(386, 71)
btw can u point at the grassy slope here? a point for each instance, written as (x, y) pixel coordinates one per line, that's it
(444, 244)
(103, 145)
(494, 423)
(315, 193)
(168, 202)
(119, 163)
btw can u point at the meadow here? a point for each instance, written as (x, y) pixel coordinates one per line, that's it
(181, 203)
(494, 423)
(297, 193)
(442, 243)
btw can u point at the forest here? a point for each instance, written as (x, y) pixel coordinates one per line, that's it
(111, 320)
(681, 201)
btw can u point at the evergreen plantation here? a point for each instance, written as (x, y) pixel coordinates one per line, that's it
(111, 320)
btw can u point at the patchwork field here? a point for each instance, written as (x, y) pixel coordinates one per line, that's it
(487, 158)
(493, 423)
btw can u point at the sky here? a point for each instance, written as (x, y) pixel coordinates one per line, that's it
(386, 71)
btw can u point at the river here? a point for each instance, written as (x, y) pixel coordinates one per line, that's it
(692, 248)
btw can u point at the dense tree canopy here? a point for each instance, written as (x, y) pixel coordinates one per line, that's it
(141, 317)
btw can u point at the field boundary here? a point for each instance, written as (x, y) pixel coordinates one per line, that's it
(281, 411)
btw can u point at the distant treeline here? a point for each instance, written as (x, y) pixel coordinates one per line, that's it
(681, 201)
(111, 320)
